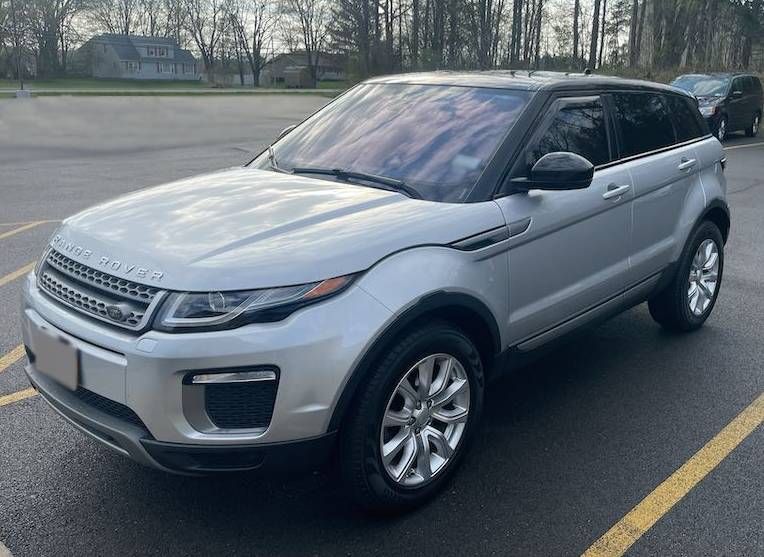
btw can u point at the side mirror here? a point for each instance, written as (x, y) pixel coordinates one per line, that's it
(561, 171)
(286, 131)
(737, 94)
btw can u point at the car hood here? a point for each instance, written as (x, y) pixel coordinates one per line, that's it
(246, 228)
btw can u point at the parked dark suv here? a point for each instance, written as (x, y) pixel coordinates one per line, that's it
(729, 102)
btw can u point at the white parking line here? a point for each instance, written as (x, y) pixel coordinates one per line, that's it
(4, 551)
(744, 146)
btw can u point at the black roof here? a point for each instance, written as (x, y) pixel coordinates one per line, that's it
(525, 80)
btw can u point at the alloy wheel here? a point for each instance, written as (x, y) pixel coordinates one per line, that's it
(425, 420)
(755, 125)
(704, 276)
(722, 133)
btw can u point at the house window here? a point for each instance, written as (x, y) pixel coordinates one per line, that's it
(188, 68)
(132, 67)
(157, 51)
(164, 67)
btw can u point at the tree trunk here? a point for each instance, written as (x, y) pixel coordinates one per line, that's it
(633, 30)
(595, 34)
(576, 12)
(539, 18)
(602, 33)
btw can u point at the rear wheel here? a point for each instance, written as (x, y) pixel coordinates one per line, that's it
(686, 303)
(753, 129)
(413, 419)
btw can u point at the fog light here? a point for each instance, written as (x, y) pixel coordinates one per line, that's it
(233, 377)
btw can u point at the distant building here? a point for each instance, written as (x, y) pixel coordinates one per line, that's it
(137, 57)
(289, 69)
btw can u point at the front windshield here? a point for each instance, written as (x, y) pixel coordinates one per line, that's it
(703, 85)
(436, 139)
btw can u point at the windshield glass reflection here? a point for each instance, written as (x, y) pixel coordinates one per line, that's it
(436, 139)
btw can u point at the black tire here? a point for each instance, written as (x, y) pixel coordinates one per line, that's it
(363, 472)
(670, 307)
(753, 129)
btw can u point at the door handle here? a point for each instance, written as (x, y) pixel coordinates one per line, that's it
(614, 191)
(686, 164)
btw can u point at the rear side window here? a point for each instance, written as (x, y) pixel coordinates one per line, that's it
(685, 118)
(578, 126)
(644, 121)
(756, 85)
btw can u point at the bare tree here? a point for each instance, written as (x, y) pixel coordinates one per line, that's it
(205, 22)
(115, 16)
(311, 23)
(253, 23)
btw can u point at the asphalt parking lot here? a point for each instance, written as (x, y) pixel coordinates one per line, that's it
(568, 445)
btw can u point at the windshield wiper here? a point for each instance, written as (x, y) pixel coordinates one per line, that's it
(382, 182)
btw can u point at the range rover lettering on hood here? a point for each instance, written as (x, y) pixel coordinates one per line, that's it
(62, 245)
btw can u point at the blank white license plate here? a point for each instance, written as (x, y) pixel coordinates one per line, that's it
(57, 358)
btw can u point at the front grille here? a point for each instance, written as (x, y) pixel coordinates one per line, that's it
(117, 301)
(121, 287)
(108, 406)
(240, 405)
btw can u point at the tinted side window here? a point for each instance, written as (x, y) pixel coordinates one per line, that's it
(644, 121)
(737, 85)
(756, 85)
(578, 126)
(685, 118)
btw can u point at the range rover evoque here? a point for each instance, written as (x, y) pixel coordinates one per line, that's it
(351, 290)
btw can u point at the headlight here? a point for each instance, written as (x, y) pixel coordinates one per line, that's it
(226, 310)
(707, 111)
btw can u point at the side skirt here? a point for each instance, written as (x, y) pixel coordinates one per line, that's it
(530, 350)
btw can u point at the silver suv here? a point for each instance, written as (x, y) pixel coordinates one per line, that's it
(351, 290)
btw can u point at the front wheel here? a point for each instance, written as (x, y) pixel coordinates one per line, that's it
(412, 421)
(686, 303)
(721, 131)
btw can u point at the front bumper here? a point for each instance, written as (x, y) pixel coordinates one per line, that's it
(137, 443)
(158, 421)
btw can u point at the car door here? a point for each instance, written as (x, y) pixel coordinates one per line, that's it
(737, 105)
(568, 249)
(661, 159)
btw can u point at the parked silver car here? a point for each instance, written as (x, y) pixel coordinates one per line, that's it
(353, 288)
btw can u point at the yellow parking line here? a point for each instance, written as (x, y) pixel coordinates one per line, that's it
(5, 362)
(19, 223)
(640, 519)
(17, 396)
(27, 226)
(11, 357)
(16, 274)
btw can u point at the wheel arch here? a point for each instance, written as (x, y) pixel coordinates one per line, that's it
(462, 310)
(717, 212)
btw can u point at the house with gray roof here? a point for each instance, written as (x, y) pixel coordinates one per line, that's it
(138, 57)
